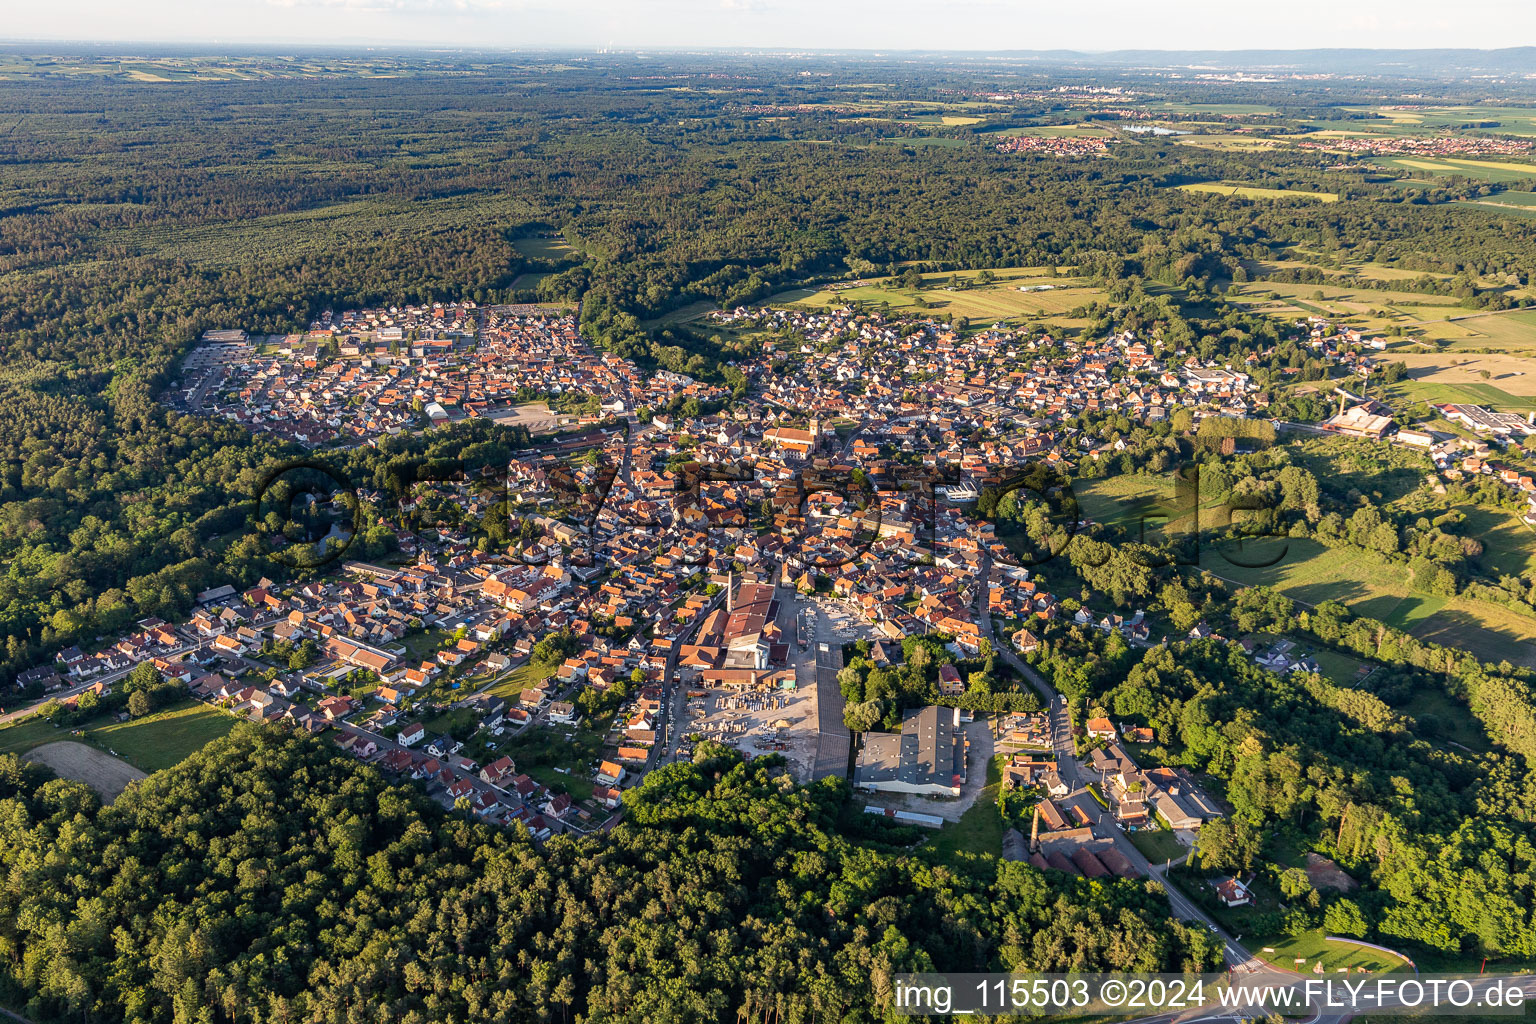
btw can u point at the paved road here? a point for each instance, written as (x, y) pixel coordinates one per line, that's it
(1304, 428)
(671, 718)
(109, 678)
(834, 739)
(9, 1015)
(112, 677)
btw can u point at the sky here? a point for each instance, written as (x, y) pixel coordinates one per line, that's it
(1088, 25)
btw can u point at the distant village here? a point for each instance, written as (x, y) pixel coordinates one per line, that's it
(1426, 145)
(1055, 145)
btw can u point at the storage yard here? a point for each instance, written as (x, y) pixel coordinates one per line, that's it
(758, 723)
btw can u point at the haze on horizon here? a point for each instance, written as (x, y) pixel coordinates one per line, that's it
(979, 25)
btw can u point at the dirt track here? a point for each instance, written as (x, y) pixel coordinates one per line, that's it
(102, 772)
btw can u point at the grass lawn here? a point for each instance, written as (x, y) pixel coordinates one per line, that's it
(692, 311)
(1153, 507)
(1117, 500)
(1341, 668)
(22, 736)
(577, 785)
(556, 249)
(1306, 571)
(1313, 946)
(521, 678)
(421, 646)
(1336, 665)
(164, 738)
(1311, 573)
(1509, 546)
(1448, 717)
(539, 750)
(459, 723)
(979, 830)
(151, 743)
(1157, 847)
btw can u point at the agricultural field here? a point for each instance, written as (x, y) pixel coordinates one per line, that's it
(1357, 298)
(1513, 331)
(1431, 323)
(1000, 300)
(1464, 394)
(1054, 131)
(1390, 121)
(1240, 143)
(1510, 209)
(1197, 107)
(1497, 171)
(188, 69)
(1512, 375)
(1355, 273)
(1511, 198)
(1240, 191)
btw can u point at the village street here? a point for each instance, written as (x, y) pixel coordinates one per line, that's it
(1075, 774)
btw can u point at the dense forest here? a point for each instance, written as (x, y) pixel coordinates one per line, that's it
(271, 879)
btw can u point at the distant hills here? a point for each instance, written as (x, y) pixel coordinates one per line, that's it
(1516, 60)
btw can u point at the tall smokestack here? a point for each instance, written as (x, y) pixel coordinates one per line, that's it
(1034, 832)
